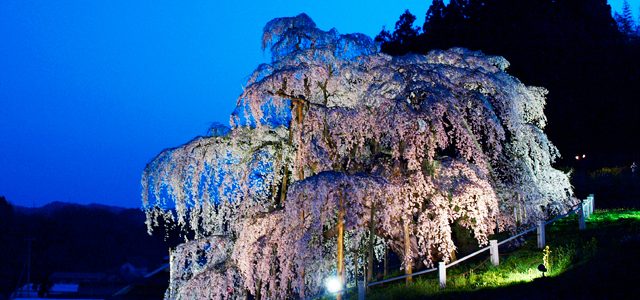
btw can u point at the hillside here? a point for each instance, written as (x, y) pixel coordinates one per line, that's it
(73, 238)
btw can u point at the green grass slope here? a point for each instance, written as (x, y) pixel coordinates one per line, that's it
(601, 262)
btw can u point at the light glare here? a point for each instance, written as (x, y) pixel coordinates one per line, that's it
(333, 284)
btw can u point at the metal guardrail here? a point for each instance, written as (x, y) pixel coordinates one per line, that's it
(518, 235)
(585, 205)
(575, 209)
(402, 277)
(468, 256)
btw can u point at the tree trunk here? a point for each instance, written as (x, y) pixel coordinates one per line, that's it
(386, 259)
(283, 188)
(298, 104)
(356, 266)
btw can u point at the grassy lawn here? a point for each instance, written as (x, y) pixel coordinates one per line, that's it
(601, 262)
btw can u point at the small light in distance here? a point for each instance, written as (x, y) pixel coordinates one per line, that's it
(577, 157)
(584, 155)
(333, 284)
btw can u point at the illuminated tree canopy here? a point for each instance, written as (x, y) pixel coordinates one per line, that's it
(407, 146)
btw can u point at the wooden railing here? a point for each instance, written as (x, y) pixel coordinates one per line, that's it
(584, 210)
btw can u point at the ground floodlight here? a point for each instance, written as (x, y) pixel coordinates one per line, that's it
(333, 284)
(542, 268)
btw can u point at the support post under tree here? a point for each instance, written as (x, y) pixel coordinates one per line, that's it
(407, 252)
(541, 235)
(258, 290)
(340, 255)
(361, 290)
(302, 267)
(372, 229)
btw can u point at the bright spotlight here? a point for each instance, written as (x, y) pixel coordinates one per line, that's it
(584, 155)
(333, 284)
(577, 157)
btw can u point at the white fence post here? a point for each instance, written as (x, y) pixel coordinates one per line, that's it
(362, 288)
(581, 213)
(591, 203)
(541, 237)
(585, 205)
(442, 274)
(493, 249)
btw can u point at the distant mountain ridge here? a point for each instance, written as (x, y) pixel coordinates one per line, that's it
(55, 206)
(72, 237)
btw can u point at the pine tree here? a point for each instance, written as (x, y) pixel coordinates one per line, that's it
(404, 27)
(638, 24)
(435, 16)
(384, 36)
(626, 25)
(457, 9)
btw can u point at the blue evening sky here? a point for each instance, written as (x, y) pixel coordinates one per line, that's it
(90, 91)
